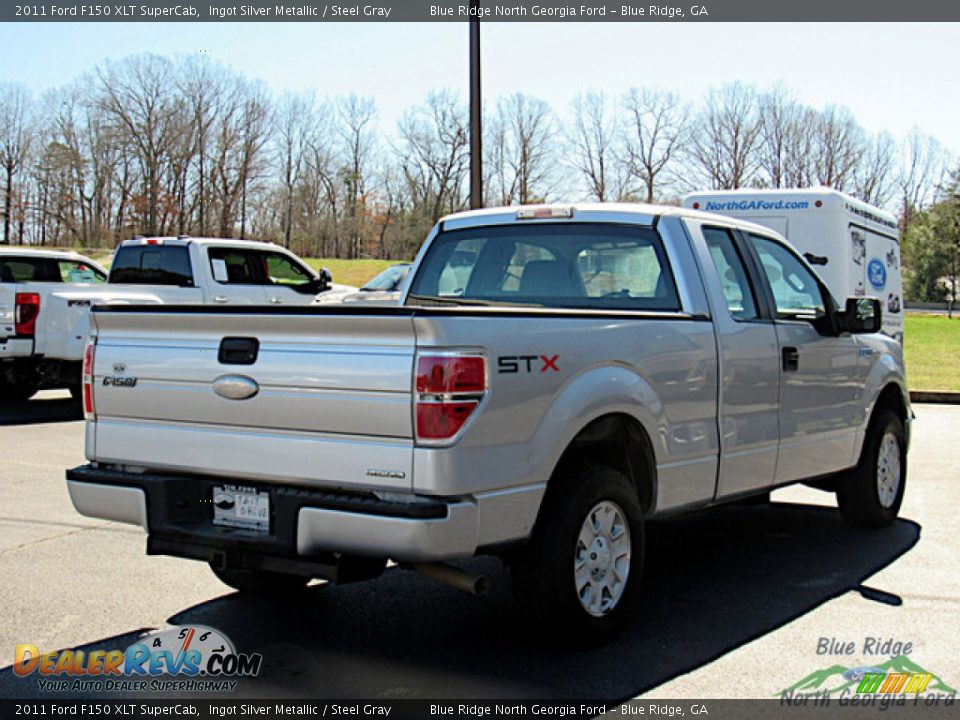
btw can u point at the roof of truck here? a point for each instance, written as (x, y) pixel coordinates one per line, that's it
(643, 213)
(44, 253)
(188, 240)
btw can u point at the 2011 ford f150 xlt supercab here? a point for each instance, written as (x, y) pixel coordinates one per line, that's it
(552, 378)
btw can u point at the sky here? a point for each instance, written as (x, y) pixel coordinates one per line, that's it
(894, 76)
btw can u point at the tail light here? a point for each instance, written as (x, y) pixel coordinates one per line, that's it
(88, 409)
(25, 314)
(449, 388)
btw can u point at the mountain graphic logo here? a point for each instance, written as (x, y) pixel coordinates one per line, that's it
(837, 678)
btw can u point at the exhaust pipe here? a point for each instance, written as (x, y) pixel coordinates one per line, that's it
(454, 576)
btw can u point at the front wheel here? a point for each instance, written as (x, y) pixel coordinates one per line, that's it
(871, 495)
(579, 575)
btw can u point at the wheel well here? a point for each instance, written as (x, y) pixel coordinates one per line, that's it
(891, 398)
(619, 442)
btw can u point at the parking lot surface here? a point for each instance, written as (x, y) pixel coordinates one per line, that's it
(737, 599)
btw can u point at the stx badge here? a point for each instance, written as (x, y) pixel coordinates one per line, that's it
(514, 363)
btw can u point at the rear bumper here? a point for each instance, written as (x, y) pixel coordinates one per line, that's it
(305, 525)
(16, 348)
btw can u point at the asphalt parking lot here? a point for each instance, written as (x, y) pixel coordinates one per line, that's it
(736, 604)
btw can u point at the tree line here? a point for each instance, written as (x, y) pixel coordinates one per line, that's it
(150, 145)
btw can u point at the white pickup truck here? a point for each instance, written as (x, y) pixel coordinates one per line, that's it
(181, 270)
(29, 280)
(552, 378)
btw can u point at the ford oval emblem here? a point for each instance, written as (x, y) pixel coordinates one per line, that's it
(235, 387)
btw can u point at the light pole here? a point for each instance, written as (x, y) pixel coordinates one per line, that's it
(476, 157)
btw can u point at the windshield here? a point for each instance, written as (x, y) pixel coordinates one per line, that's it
(390, 279)
(573, 265)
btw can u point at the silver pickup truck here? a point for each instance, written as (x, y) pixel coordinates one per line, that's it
(552, 378)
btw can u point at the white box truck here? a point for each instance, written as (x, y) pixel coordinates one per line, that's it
(853, 246)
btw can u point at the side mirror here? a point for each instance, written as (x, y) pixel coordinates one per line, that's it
(861, 315)
(324, 280)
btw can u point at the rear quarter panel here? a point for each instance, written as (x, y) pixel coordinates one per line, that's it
(660, 371)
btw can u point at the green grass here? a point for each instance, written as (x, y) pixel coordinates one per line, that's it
(932, 349)
(351, 272)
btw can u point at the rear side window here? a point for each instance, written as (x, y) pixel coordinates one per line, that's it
(152, 265)
(29, 269)
(733, 275)
(583, 265)
(233, 267)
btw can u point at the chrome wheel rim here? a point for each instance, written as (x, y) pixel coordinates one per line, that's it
(888, 470)
(602, 558)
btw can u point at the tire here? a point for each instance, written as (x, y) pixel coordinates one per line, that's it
(260, 582)
(570, 534)
(871, 495)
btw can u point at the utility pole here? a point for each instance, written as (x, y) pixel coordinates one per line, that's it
(476, 156)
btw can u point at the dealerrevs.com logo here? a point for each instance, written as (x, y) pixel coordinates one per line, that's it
(200, 658)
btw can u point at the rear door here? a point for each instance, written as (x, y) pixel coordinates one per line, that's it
(820, 405)
(237, 276)
(749, 370)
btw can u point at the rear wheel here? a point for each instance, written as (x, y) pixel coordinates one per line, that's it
(260, 582)
(579, 575)
(871, 495)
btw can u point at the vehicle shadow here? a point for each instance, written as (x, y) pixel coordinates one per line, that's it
(714, 581)
(47, 408)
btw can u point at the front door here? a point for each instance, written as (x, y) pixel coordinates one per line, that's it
(820, 406)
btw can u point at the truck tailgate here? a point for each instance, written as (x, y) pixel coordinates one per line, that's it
(331, 402)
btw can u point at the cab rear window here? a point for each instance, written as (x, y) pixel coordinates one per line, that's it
(152, 265)
(29, 269)
(583, 265)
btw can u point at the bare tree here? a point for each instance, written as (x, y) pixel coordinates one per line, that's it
(522, 130)
(873, 179)
(838, 147)
(139, 98)
(594, 153)
(783, 153)
(204, 85)
(923, 171)
(15, 137)
(655, 131)
(293, 122)
(724, 141)
(356, 120)
(432, 154)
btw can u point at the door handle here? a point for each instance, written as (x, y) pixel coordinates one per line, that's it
(220, 298)
(276, 300)
(791, 359)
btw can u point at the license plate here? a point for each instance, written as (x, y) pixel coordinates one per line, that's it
(241, 507)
